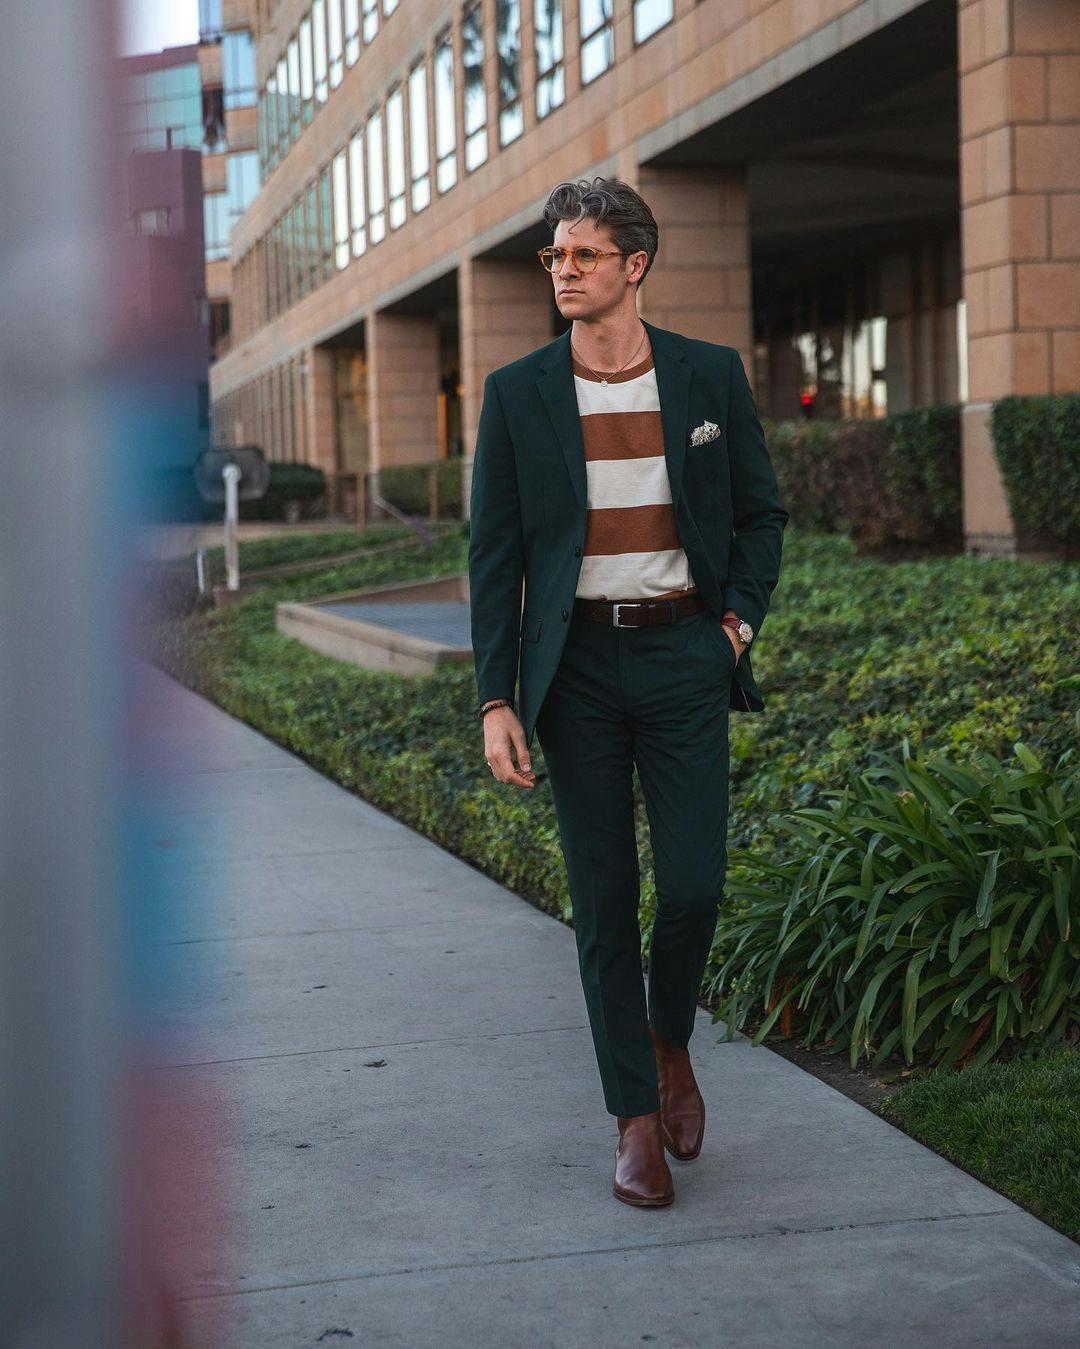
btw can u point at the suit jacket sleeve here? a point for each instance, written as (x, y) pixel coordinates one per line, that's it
(754, 566)
(496, 553)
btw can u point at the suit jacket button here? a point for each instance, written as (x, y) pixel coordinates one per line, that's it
(577, 549)
(565, 614)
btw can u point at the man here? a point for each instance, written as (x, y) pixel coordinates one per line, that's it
(621, 472)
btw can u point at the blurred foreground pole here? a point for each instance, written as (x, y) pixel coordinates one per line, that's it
(63, 959)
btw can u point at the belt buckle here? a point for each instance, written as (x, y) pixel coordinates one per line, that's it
(623, 604)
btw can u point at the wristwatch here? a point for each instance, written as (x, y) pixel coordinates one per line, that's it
(740, 627)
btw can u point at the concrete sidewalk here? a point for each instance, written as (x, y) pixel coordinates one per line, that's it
(414, 1140)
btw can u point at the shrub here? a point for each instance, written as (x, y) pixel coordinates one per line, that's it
(1037, 447)
(930, 909)
(922, 472)
(302, 484)
(883, 482)
(406, 485)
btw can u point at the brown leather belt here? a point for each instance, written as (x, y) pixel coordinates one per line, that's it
(638, 613)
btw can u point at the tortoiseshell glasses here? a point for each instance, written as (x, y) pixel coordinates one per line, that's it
(584, 259)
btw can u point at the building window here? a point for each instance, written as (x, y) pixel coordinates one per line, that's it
(213, 121)
(314, 248)
(300, 248)
(419, 162)
(318, 25)
(371, 24)
(288, 260)
(294, 88)
(341, 211)
(335, 43)
(307, 81)
(270, 113)
(472, 44)
(395, 155)
(597, 44)
(238, 69)
(326, 223)
(650, 16)
(260, 124)
(285, 108)
(216, 226)
(209, 19)
(445, 114)
(550, 85)
(375, 185)
(272, 255)
(508, 45)
(358, 211)
(242, 179)
(352, 31)
(155, 220)
(388, 6)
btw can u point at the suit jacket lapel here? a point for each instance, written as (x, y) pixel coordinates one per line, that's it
(556, 387)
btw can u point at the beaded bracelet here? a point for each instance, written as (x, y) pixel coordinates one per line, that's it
(490, 707)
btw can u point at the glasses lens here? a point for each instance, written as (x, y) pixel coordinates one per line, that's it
(584, 258)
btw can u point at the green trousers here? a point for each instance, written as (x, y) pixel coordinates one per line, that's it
(655, 697)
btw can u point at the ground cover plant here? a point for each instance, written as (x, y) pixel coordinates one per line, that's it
(1014, 1125)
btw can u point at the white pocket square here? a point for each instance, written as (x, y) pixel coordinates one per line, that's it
(706, 431)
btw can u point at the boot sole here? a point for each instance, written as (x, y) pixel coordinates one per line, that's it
(638, 1201)
(683, 1156)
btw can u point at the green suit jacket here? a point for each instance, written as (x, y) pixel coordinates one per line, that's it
(528, 508)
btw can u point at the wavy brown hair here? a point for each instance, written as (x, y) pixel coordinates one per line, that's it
(610, 202)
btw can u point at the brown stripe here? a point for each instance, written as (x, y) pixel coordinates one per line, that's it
(622, 435)
(631, 529)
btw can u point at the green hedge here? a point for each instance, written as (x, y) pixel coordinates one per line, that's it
(406, 486)
(301, 483)
(894, 480)
(1037, 446)
(958, 654)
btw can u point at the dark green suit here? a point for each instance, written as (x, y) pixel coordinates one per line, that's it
(528, 508)
(605, 700)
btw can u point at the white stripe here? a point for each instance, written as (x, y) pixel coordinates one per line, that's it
(633, 575)
(627, 482)
(631, 395)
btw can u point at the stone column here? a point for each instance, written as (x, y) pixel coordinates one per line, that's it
(403, 390)
(699, 283)
(320, 413)
(504, 312)
(1020, 226)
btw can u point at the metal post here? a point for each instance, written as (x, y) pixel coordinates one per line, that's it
(231, 473)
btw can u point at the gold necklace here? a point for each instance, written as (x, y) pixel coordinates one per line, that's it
(621, 368)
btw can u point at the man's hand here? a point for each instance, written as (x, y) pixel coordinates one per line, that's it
(736, 640)
(503, 732)
(739, 646)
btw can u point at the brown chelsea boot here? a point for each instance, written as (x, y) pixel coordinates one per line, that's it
(642, 1175)
(682, 1109)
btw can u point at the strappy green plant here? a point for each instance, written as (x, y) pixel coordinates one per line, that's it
(933, 910)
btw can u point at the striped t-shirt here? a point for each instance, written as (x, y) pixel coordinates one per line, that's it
(632, 550)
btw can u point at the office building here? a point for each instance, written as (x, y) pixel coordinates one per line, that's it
(876, 201)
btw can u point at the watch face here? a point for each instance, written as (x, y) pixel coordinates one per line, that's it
(745, 632)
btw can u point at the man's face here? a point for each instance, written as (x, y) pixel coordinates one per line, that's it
(581, 294)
